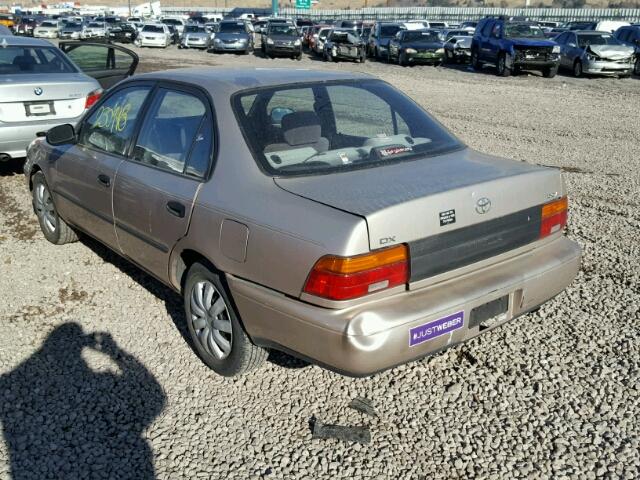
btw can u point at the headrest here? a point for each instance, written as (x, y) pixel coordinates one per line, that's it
(301, 128)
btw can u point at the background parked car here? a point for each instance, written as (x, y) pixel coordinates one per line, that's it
(49, 87)
(512, 46)
(71, 31)
(25, 26)
(458, 49)
(282, 39)
(379, 38)
(177, 23)
(630, 36)
(47, 29)
(154, 35)
(344, 44)
(411, 47)
(232, 36)
(7, 20)
(195, 36)
(94, 30)
(123, 33)
(595, 53)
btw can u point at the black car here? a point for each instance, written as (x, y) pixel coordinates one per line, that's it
(410, 47)
(175, 34)
(344, 44)
(379, 38)
(282, 39)
(631, 36)
(123, 33)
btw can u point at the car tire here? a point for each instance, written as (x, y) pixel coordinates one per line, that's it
(363, 58)
(215, 329)
(503, 70)
(448, 57)
(475, 61)
(550, 72)
(53, 227)
(636, 67)
(577, 69)
(402, 61)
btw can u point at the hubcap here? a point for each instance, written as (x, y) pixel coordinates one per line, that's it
(211, 320)
(45, 209)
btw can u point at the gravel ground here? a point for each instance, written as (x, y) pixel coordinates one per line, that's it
(96, 379)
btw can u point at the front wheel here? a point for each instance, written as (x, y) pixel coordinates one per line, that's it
(475, 61)
(636, 68)
(402, 60)
(503, 70)
(214, 325)
(577, 69)
(549, 72)
(53, 227)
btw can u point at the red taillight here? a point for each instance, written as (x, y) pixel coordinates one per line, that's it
(92, 98)
(554, 217)
(344, 278)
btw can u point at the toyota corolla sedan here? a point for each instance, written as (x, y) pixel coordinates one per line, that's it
(43, 86)
(154, 35)
(47, 29)
(321, 213)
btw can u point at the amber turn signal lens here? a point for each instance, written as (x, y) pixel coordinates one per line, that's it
(554, 217)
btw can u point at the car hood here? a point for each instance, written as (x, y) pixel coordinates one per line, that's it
(611, 52)
(197, 34)
(232, 36)
(404, 200)
(532, 42)
(423, 45)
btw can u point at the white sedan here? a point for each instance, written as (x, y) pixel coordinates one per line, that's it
(46, 29)
(154, 35)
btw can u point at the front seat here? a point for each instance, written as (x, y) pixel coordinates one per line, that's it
(300, 130)
(24, 62)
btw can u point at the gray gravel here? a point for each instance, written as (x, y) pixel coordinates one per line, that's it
(555, 394)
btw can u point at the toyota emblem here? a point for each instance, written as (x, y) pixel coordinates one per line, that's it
(37, 91)
(483, 205)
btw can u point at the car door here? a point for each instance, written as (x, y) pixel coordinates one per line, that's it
(571, 49)
(493, 45)
(156, 187)
(562, 41)
(105, 62)
(485, 41)
(85, 172)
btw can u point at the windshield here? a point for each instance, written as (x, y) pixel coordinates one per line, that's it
(389, 30)
(286, 30)
(96, 25)
(420, 37)
(334, 126)
(153, 28)
(29, 60)
(193, 29)
(523, 30)
(171, 21)
(232, 27)
(597, 39)
(48, 24)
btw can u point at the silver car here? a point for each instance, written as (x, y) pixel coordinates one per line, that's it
(321, 213)
(195, 36)
(43, 87)
(94, 30)
(595, 53)
(47, 29)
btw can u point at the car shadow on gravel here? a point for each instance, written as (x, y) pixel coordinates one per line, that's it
(61, 418)
(11, 167)
(173, 301)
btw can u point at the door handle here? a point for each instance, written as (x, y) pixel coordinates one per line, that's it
(104, 180)
(176, 208)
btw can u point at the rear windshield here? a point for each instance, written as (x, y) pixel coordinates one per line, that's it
(389, 30)
(333, 126)
(16, 60)
(153, 28)
(194, 29)
(232, 27)
(171, 21)
(96, 25)
(48, 24)
(596, 39)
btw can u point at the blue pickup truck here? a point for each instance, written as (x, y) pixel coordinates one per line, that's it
(513, 45)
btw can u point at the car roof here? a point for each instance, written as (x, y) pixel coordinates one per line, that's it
(227, 81)
(14, 41)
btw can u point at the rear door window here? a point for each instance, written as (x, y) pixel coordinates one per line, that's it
(111, 125)
(170, 128)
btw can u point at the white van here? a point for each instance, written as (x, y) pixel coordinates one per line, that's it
(610, 25)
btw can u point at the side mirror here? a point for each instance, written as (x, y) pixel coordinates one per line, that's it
(61, 135)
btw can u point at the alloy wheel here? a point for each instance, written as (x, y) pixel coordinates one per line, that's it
(45, 209)
(211, 319)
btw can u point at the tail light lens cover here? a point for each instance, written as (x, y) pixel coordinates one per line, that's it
(346, 278)
(554, 217)
(92, 98)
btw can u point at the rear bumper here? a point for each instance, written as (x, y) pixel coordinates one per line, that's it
(374, 336)
(16, 137)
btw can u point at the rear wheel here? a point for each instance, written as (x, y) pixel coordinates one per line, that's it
(577, 69)
(503, 70)
(636, 68)
(448, 56)
(53, 227)
(214, 325)
(402, 59)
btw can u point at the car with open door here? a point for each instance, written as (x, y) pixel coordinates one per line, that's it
(323, 213)
(44, 85)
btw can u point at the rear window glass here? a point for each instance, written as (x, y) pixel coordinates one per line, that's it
(16, 60)
(153, 28)
(389, 30)
(585, 40)
(327, 127)
(415, 36)
(283, 30)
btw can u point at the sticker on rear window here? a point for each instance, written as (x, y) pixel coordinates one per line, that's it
(391, 151)
(437, 328)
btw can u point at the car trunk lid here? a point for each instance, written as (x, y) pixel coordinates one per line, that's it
(452, 210)
(25, 98)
